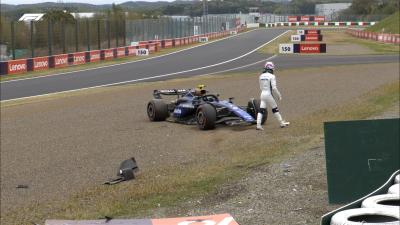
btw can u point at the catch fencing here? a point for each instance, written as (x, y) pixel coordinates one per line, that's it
(45, 38)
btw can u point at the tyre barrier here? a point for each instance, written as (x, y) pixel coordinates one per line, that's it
(380, 37)
(77, 58)
(384, 202)
(376, 208)
(366, 216)
(394, 189)
(335, 24)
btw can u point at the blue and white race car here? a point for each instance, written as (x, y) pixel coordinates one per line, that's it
(196, 106)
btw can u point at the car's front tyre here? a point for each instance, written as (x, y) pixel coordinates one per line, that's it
(206, 115)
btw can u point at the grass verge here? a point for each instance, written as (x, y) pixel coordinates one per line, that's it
(390, 24)
(170, 187)
(340, 44)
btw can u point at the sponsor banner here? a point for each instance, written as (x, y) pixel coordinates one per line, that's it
(312, 32)
(301, 32)
(151, 47)
(38, 63)
(295, 38)
(304, 18)
(17, 66)
(93, 56)
(309, 48)
(157, 44)
(107, 54)
(319, 18)
(167, 43)
(293, 18)
(132, 50)
(142, 52)
(221, 219)
(203, 39)
(176, 42)
(286, 48)
(58, 61)
(77, 58)
(311, 37)
(121, 52)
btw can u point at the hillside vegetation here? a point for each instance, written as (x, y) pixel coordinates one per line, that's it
(387, 25)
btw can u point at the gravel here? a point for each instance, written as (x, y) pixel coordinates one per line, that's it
(62, 145)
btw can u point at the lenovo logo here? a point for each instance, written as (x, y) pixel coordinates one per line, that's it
(309, 48)
(79, 58)
(61, 61)
(41, 64)
(94, 57)
(17, 67)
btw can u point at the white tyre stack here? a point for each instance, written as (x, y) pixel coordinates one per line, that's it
(357, 217)
(397, 179)
(385, 202)
(383, 208)
(394, 189)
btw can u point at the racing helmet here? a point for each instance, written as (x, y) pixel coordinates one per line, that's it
(200, 90)
(269, 67)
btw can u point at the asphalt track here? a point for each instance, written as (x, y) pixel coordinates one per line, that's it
(235, 53)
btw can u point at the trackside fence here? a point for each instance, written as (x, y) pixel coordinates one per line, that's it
(380, 37)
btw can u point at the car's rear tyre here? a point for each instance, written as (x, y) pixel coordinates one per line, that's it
(206, 115)
(253, 108)
(157, 110)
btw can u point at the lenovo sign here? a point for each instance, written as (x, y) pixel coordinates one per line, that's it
(107, 54)
(58, 61)
(311, 48)
(311, 37)
(39, 63)
(17, 66)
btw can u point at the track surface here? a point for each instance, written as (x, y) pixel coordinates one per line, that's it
(181, 64)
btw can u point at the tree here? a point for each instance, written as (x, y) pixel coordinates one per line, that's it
(57, 15)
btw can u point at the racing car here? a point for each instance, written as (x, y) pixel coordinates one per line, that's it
(197, 106)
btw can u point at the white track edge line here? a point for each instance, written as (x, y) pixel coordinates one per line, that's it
(148, 78)
(118, 64)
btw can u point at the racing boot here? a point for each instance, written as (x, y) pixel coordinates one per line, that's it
(259, 117)
(282, 122)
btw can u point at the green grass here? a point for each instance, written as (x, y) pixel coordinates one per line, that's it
(176, 185)
(337, 37)
(390, 24)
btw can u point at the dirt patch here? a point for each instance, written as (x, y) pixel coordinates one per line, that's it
(291, 191)
(62, 146)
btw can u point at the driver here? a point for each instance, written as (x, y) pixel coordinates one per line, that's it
(267, 85)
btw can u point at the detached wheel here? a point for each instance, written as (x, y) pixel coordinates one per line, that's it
(157, 110)
(253, 108)
(206, 117)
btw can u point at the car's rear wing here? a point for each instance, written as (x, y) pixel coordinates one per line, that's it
(157, 93)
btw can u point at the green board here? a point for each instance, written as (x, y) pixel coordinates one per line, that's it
(360, 156)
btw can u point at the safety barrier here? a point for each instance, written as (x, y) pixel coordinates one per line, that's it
(336, 24)
(380, 37)
(78, 58)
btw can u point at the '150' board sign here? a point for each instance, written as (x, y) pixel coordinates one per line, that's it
(142, 52)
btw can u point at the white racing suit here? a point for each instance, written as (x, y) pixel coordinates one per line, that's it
(267, 86)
